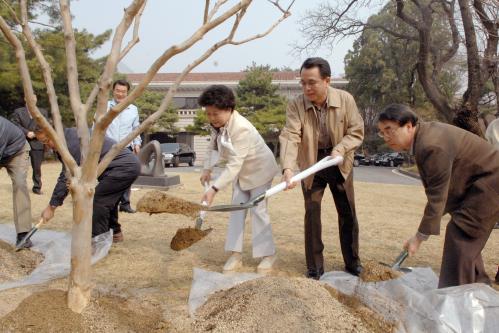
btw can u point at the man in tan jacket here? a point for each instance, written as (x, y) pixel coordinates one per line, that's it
(250, 167)
(323, 121)
(460, 174)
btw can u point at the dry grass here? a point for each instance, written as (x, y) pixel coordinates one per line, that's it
(144, 269)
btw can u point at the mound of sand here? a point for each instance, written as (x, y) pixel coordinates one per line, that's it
(48, 312)
(276, 304)
(155, 202)
(374, 272)
(185, 237)
(15, 265)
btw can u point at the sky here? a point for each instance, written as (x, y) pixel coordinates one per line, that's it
(166, 22)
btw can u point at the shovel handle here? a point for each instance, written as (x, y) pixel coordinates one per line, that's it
(322, 164)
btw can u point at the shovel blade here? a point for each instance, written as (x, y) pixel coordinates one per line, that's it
(26, 238)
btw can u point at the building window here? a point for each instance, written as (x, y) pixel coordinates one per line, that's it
(186, 102)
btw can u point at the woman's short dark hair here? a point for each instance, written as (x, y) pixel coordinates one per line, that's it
(322, 64)
(219, 96)
(399, 113)
(122, 83)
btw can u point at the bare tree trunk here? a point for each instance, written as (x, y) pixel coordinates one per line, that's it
(80, 285)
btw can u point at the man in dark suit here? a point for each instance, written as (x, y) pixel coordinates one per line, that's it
(112, 183)
(460, 174)
(22, 118)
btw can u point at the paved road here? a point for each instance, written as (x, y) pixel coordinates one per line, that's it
(371, 174)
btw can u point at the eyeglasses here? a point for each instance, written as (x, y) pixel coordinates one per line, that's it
(311, 83)
(389, 132)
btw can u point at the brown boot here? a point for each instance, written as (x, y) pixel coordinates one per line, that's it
(117, 238)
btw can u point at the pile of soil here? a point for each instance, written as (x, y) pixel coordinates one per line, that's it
(276, 304)
(16, 265)
(155, 202)
(375, 272)
(185, 237)
(48, 312)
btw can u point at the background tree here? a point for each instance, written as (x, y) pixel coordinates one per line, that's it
(82, 178)
(258, 100)
(51, 39)
(201, 125)
(477, 27)
(381, 70)
(148, 103)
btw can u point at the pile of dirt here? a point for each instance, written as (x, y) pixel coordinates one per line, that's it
(276, 304)
(155, 202)
(375, 272)
(185, 237)
(16, 265)
(48, 312)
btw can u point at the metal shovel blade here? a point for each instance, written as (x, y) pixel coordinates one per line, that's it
(26, 238)
(244, 205)
(398, 261)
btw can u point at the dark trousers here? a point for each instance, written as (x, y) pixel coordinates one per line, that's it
(125, 198)
(36, 157)
(462, 258)
(107, 196)
(343, 195)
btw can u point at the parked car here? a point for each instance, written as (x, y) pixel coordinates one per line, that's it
(375, 159)
(392, 159)
(360, 159)
(176, 153)
(357, 158)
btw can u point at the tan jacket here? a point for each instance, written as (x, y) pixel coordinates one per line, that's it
(299, 138)
(248, 157)
(460, 174)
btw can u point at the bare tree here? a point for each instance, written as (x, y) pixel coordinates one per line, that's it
(467, 22)
(83, 178)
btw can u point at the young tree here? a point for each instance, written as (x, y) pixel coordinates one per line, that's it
(477, 26)
(82, 178)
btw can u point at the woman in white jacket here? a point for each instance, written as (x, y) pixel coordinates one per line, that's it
(250, 167)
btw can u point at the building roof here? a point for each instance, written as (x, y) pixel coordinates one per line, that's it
(213, 77)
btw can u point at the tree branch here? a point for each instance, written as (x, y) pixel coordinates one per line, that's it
(206, 10)
(46, 72)
(135, 38)
(168, 97)
(31, 98)
(72, 75)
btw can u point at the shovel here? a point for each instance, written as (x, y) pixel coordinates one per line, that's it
(202, 213)
(26, 238)
(398, 261)
(322, 164)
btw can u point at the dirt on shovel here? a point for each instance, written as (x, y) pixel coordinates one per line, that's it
(185, 237)
(155, 202)
(375, 272)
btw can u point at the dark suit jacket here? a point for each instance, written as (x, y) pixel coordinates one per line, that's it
(460, 173)
(21, 118)
(124, 165)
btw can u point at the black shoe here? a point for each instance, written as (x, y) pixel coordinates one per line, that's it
(354, 270)
(20, 237)
(496, 226)
(37, 191)
(497, 275)
(127, 209)
(315, 274)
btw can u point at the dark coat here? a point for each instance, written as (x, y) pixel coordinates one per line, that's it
(123, 165)
(22, 118)
(460, 173)
(12, 140)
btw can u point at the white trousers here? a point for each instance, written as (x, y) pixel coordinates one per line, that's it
(263, 243)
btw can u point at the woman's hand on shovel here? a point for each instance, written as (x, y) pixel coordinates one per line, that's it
(412, 245)
(208, 196)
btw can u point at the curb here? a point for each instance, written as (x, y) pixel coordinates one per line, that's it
(408, 173)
